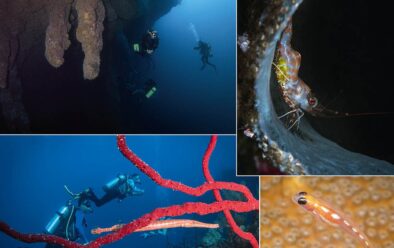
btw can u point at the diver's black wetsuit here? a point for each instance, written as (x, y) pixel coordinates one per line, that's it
(124, 188)
(71, 225)
(205, 51)
(109, 196)
(149, 42)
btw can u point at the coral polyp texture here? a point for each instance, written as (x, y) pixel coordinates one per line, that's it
(366, 202)
(200, 208)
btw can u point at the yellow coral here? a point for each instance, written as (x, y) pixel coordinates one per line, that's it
(368, 201)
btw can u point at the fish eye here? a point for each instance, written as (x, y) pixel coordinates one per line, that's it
(302, 201)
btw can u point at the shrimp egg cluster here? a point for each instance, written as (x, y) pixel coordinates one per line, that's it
(366, 201)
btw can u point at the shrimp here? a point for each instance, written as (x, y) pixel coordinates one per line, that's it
(296, 93)
(294, 90)
(330, 216)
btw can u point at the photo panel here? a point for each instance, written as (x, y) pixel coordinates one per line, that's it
(125, 191)
(326, 212)
(118, 66)
(323, 114)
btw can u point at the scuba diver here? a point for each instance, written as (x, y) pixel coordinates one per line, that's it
(69, 221)
(146, 92)
(120, 187)
(205, 52)
(148, 44)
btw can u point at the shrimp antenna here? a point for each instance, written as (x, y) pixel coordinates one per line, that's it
(338, 114)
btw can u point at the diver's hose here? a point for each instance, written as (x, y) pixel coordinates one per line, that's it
(69, 191)
(69, 219)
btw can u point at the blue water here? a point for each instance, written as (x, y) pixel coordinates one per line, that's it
(188, 100)
(34, 170)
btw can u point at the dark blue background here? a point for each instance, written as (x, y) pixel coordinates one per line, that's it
(188, 100)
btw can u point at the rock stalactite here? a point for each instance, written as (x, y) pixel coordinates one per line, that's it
(56, 38)
(91, 14)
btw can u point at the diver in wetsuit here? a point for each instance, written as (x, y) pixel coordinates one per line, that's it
(145, 92)
(148, 44)
(69, 221)
(119, 188)
(205, 52)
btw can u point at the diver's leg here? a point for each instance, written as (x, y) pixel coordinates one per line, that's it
(214, 66)
(100, 201)
(79, 226)
(109, 196)
(203, 63)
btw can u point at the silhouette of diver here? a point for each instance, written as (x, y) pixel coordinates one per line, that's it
(69, 221)
(143, 92)
(205, 52)
(148, 44)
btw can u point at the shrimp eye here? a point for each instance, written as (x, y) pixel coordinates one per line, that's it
(312, 101)
(302, 193)
(302, 201)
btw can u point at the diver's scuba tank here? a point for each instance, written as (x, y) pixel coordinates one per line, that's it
(114, 183)
(136, 47)
(150, 92)
(150, 88)
(63, 213)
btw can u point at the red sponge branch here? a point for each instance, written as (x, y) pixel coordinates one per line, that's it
(167, 183)
(216, 192)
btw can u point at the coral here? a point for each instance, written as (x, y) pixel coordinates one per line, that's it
(212, 238)
(91, 14)
(220, 205)
(56, 38)
(367, 201)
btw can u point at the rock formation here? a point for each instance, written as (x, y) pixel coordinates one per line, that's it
(91, 14)
(67, 35)
(56, 39)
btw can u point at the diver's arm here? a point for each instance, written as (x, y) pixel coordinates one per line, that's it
(137, 191)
